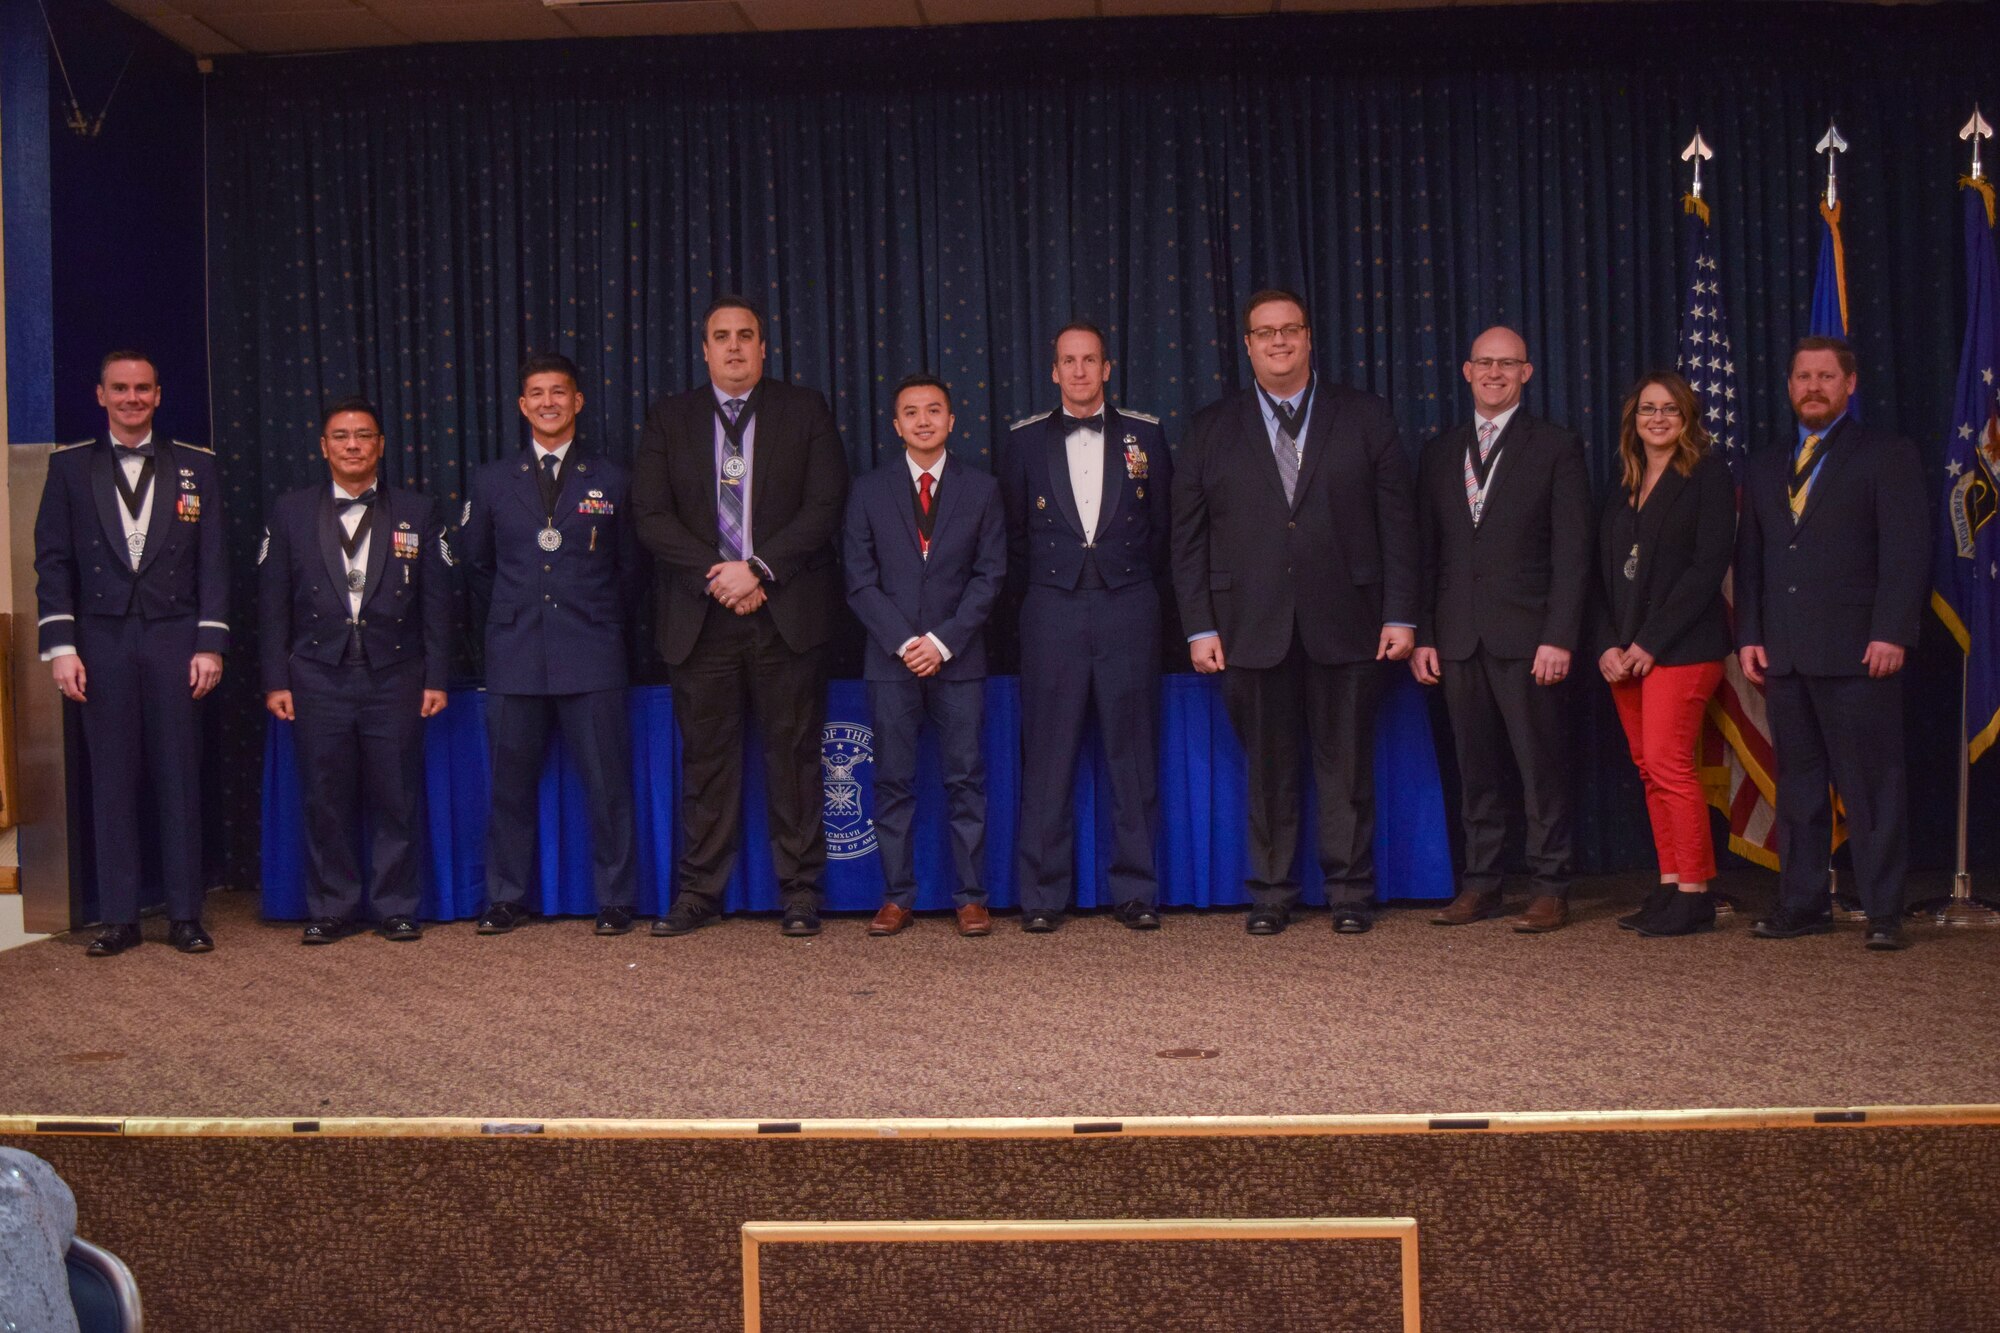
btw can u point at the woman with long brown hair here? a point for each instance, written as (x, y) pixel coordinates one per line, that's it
(1662, 630)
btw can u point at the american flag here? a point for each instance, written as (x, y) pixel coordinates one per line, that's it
(1736, 760)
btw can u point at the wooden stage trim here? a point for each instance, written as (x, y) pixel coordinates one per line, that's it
(1402, 1230)
(1518, 1122)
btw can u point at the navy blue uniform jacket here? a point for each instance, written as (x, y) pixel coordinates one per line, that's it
(555, 620)
(302, 586)
(897, 593)
(81, 565)
(1044, 531)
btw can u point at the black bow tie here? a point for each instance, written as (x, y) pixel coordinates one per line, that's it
(132, 450)
(1094, 422)
(346, 502)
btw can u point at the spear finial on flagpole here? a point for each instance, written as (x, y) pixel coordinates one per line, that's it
(1832, 145)
(1975, 130)
(1699, 152)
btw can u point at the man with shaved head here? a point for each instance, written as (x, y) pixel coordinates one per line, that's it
(1503, 522)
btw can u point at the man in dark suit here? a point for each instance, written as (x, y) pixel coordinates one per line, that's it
(926, 556)
(1295, 561)
(1088, 495)
(132, 604)
(1832, 567)
(548, 545)
(738, 487)
(1504, 533)
(355, 602)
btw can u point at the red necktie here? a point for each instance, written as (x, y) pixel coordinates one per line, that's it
(924, 502)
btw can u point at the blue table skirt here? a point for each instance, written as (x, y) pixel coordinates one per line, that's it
(1201, 850)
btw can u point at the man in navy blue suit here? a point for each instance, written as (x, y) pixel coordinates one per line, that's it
(354, 600)
(1832, 567)
(548, 543)
(132, 605)
(926, 553)
(1087, 493)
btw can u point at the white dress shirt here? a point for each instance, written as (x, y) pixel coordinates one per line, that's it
(349, 519)
(133, 465)
(936, 473)
(1086, 474)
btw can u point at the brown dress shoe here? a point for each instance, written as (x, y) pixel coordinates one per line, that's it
(1545, 913)
(1471, 905)
(973, 920)
(889, 920)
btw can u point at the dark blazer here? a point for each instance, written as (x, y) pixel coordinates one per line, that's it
(1338, 563)
(302, 586)
(81, 565)
(1686, 536)
(1521, 578)
(798, 483)
(555, 620)
(898, 593)
(1044, 531)
(1854, 569)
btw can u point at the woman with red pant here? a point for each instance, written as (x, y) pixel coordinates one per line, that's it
(1662, 630)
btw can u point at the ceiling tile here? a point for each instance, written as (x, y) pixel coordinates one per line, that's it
(266, 32)
(472, 20)
(194, 35)
(680, 17)
(781, 15)
(1122, 9)
(1002, 11)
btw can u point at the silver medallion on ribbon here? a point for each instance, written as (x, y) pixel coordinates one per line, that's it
(1632, 564)
(135, 542)
(357, 579)
(548, 539)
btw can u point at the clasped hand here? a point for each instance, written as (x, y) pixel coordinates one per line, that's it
(735, 585)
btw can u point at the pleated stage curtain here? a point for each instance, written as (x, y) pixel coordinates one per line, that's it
(408, 222)
(1200, 850)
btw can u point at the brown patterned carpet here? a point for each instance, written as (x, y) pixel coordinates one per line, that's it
(735, 1021)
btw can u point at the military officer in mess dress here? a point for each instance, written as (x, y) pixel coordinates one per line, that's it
(1087, 492)
(548, 545)
(354, 605)
(132, 608)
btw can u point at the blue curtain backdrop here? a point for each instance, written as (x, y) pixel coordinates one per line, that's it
(411, 221)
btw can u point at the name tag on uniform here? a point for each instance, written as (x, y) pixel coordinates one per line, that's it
(1135, 459)
(187, 507)
(407, 545)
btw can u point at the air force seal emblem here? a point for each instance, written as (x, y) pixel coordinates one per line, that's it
(844, 748)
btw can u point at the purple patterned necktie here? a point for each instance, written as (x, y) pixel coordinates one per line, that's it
(729, 512)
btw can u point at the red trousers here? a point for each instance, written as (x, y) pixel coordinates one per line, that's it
(1662, 714)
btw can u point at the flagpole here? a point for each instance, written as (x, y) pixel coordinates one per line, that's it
(1962, 910)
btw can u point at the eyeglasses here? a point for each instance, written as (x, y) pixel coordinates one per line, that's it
(1656, 410)
(355, 436)
(1510, 364)
(1265, 332)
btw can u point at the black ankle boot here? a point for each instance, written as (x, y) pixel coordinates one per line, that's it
(1662, 896)
(1687, 914)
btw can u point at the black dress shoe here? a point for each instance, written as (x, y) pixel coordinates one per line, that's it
(1788, 924)
(1040, 923)
(614, 920)
(1687, 914)
(1884, 936)
(189, 937)
(1265, 921)
(1136, 915)
(400, 929)
(799, 922)
(1662, 895)
(113, 940)
(501, 918)
(325, 931)
(1351, 920)
(687, 914)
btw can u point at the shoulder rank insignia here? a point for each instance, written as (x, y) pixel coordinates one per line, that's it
(1029, 421)
(465, 514)
(80, 444)
(1146, 417)
(444, 550)
(198, 448)
(264, 546)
